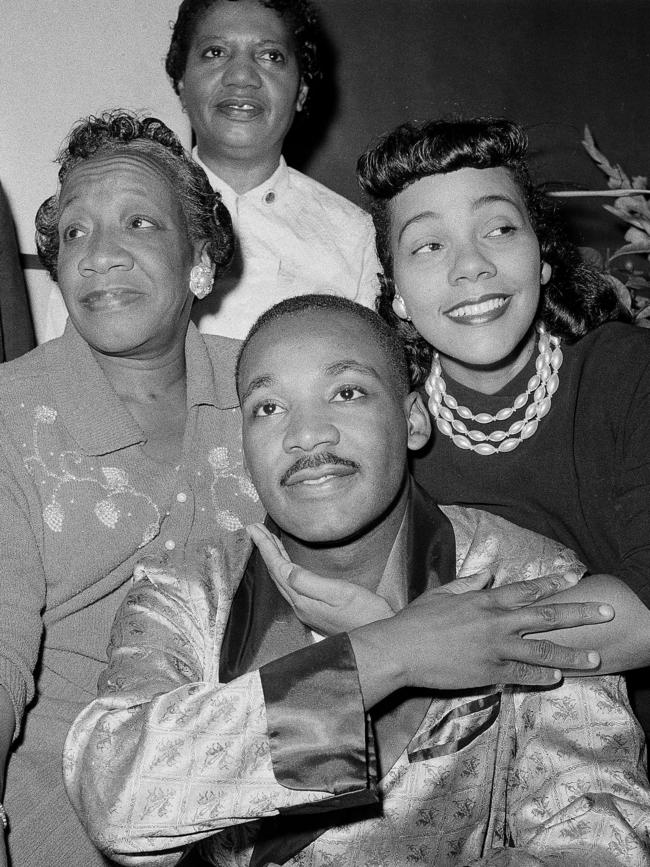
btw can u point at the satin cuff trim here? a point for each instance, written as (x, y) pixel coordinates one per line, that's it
(456, 729)
(317, 725)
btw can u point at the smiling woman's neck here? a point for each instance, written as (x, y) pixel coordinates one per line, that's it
(489, 379)
(360, 560)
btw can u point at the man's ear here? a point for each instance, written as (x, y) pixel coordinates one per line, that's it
(301, 99)
(419, 421)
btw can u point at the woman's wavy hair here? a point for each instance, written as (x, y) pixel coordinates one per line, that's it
(206, 218)
(302, 23)
(575, 300)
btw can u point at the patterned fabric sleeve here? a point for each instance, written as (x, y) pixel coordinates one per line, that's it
(575, 787)
(577, 793)
(166, 756)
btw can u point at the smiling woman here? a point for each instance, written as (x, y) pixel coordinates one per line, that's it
(243, 70)
(118, 439)
(541, 402)
(242, 85)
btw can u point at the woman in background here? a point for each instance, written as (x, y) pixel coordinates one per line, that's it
(243, 70)
(541, 400)
(120, 438)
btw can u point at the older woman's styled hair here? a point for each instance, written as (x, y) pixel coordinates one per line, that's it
(206, 217)
(574, 301)
(302, 23)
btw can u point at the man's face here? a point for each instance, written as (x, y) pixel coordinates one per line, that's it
(325, 426)
(241, 86)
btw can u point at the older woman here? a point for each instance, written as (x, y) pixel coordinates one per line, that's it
(541, 402)
(243, 70)
(119, 438)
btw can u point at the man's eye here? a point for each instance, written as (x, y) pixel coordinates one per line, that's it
(213, 51)
(266, 409)
(350, 392)
(141, 223)
(72, 232)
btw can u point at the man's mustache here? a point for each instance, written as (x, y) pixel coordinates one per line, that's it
(311, 462)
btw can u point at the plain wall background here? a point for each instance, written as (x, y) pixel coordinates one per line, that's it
(553, 65)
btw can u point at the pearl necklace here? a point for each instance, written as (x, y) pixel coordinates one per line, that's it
(542, 385)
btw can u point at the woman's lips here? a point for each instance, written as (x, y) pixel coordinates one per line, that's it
(239, 109)
(109, 299)
(484, 309)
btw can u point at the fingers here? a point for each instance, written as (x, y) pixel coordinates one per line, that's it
(274, 555)
(546, 674)
(328, 590)
(542, 618)
(270, 548)
(523, 593)
(478, 581)
(547, 654)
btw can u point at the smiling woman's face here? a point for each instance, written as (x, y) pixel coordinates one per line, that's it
(124, 255)
(467, 264)
(241, 86)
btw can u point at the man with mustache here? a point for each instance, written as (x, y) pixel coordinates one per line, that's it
(227, 719)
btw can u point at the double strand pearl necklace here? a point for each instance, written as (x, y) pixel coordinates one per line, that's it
(542, 386)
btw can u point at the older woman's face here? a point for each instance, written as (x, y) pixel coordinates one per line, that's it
(241, 86)
(124, 255)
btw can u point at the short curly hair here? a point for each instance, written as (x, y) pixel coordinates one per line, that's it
(574, 301)
(302, 23)
(206, 218)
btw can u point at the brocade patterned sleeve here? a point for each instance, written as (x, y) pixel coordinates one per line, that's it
(577, 791)
(166, 755)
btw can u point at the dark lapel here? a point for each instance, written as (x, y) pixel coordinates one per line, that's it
(262, 627)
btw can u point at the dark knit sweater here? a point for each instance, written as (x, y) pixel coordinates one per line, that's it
(584, 477)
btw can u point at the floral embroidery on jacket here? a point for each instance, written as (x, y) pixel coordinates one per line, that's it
(223, 468)
(112, 481)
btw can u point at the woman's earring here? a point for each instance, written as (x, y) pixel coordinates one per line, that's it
(201, 280)
(546, 273)
(399, 307)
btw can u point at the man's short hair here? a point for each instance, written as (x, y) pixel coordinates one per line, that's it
(388, 339)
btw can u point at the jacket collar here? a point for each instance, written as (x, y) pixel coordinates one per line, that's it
(262, 626)
(92, 411)
(277, 183)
